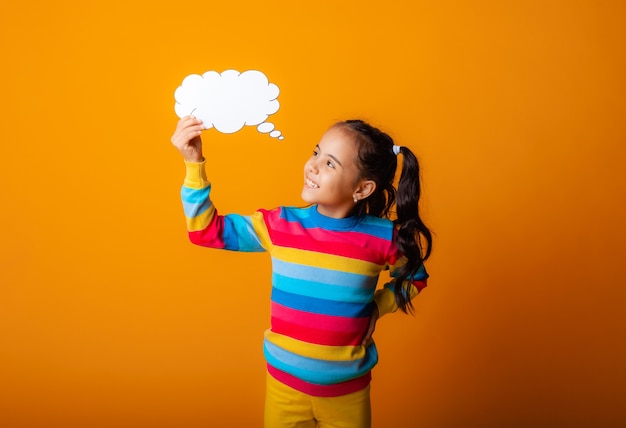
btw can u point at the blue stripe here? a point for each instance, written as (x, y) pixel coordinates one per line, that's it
(195, 202)
(321, 290)
(239, 234)
(378, 227)
(321, 306)
(309, 218)
(321, 275)
(288, 213)
(418, 276)
(195, 195)
(319, 371)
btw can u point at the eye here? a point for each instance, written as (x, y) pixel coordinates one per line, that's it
(315, 153)
(330, 164)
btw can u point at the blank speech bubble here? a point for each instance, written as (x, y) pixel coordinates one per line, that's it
(230, 100)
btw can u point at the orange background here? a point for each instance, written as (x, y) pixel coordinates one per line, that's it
(110, 318)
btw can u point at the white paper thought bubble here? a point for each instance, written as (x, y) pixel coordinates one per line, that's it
(230, 100)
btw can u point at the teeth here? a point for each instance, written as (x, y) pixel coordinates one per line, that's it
(310, 184)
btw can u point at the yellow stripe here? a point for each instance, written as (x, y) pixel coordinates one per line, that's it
(260, 228)
(201, 221)
(320, 352)
(326, 261)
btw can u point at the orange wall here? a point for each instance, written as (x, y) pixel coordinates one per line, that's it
(110, 318)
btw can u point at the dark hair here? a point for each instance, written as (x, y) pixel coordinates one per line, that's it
(378, 162)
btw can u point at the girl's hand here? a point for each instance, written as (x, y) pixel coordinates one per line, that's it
(187, 139)
(371, 327)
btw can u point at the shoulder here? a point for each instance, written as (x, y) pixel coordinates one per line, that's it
(282, 214)
(379, 227)
(370, 220)
(285, 212)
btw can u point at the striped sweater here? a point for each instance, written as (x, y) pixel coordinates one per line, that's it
(324, 278)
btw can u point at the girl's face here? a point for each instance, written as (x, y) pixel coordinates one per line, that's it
(331, 176)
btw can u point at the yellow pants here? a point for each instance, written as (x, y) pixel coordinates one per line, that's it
(286, 407)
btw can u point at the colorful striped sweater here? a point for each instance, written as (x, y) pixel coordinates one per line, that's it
(324, 279)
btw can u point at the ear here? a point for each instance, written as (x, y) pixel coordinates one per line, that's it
(364, 189)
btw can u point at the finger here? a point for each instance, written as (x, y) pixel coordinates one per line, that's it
(186, 122)
(186, 131)
(191, 120)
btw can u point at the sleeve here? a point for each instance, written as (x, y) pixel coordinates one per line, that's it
(385, 298)
(209, 229)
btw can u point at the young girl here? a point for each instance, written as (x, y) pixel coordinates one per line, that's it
(326, 259)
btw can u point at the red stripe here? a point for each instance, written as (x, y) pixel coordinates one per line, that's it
(317, 390)
(359, 246)
(211, 236)
(323, 322)
(315, 335)
(420, 285)
(296, 230)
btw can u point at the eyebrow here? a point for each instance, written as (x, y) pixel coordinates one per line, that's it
(329, 155)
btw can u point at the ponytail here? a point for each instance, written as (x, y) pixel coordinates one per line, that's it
(378, 161)
(414, 238)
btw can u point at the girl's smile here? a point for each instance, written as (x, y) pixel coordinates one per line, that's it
(311, 184)
(331, 176)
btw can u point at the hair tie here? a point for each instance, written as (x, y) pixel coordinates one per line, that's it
(396, 149)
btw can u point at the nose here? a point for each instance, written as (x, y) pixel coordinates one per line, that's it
(311, 165)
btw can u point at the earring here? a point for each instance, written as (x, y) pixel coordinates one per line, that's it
(355, 199)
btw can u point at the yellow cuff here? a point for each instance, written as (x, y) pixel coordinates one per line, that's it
(386, 301)
(195, 175)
